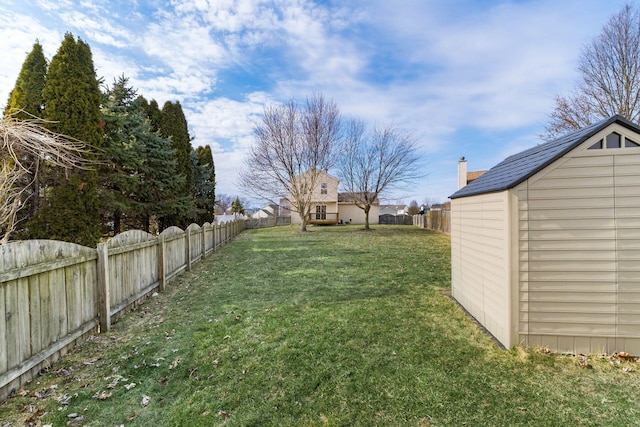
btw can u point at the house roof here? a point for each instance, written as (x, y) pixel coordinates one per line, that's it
(352, 197)
(473, 175)
(518, 167)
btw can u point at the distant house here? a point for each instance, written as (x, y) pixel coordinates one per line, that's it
(464, 177)
(330, 207)
(393, 209)
(545, 246)
(269, 211)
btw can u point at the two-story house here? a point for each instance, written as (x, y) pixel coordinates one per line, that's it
(328, 206)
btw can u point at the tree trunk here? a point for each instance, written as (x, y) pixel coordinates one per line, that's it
(366, 218)
(303, 218)
(145, 222)
(117, 216)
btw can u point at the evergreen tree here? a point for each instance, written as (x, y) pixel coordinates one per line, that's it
(154, 114)
(173, 125)
(72, 106)
(203, 187)
(236, 206)
(122, 155)
(160, 188)
(26, 102)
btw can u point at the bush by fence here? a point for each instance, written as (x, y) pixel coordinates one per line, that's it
(53, 294)
(437, 220)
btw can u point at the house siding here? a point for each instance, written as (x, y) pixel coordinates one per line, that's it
(480, 247)
(330, 200)
(579, 256)
(355, 215)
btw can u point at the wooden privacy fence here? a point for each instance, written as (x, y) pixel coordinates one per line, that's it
(53, 294)
(437, 220)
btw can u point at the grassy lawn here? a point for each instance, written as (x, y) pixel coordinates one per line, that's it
(337, 326)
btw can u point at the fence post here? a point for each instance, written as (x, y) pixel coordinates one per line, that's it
(161, 264)
(204, 241)
(188, 248)
(103, 288)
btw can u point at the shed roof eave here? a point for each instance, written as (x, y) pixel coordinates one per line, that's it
(534, 159)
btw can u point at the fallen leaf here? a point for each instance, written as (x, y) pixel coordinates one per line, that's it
(91, 361)
(44, 394)
(145, 400)
(174, 364)
(224, 414)
(77, 421)
(65, 399)
(114, 382)
(103, 395)
(129, 386)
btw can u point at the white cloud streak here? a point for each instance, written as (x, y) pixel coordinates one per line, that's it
(435, 67)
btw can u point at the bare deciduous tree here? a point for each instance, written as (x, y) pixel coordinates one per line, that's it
(27, 139)
(223, 202)
(293, 146)
(610, 78)
(371, 164)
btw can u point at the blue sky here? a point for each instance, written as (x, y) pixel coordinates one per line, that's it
(469, 78)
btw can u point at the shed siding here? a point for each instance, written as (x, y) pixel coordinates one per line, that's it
(579, 228)
(480, 265)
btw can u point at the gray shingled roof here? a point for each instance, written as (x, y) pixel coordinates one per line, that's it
(518, 167)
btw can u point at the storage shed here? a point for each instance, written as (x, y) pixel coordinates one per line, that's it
(545, 246)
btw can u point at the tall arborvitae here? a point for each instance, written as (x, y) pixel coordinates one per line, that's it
(72, 107)
(154, 114)
(173, 125)
(122, 154)
(26, 102)
(204, 185)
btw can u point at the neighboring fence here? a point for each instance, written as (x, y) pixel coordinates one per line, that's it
(437, 220)
(53, 293)
(395, 219)
(275, 221)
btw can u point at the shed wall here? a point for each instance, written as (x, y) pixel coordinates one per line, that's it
(480, 247)
(579, 252)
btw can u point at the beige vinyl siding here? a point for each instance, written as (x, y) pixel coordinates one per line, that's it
(350, 212)
(579, 272)
(480, 260)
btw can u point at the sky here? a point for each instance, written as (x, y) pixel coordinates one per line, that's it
(467, 78)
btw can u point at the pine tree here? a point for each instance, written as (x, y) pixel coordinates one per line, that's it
(160, 194)
(72, 106)
(173, 125)
(203, 187)
(122, 155)
(26, 102)
(236, 206)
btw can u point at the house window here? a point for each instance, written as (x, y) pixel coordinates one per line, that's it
(321, 212)
(323, 188)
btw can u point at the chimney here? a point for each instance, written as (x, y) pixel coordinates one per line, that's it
(462, 172)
